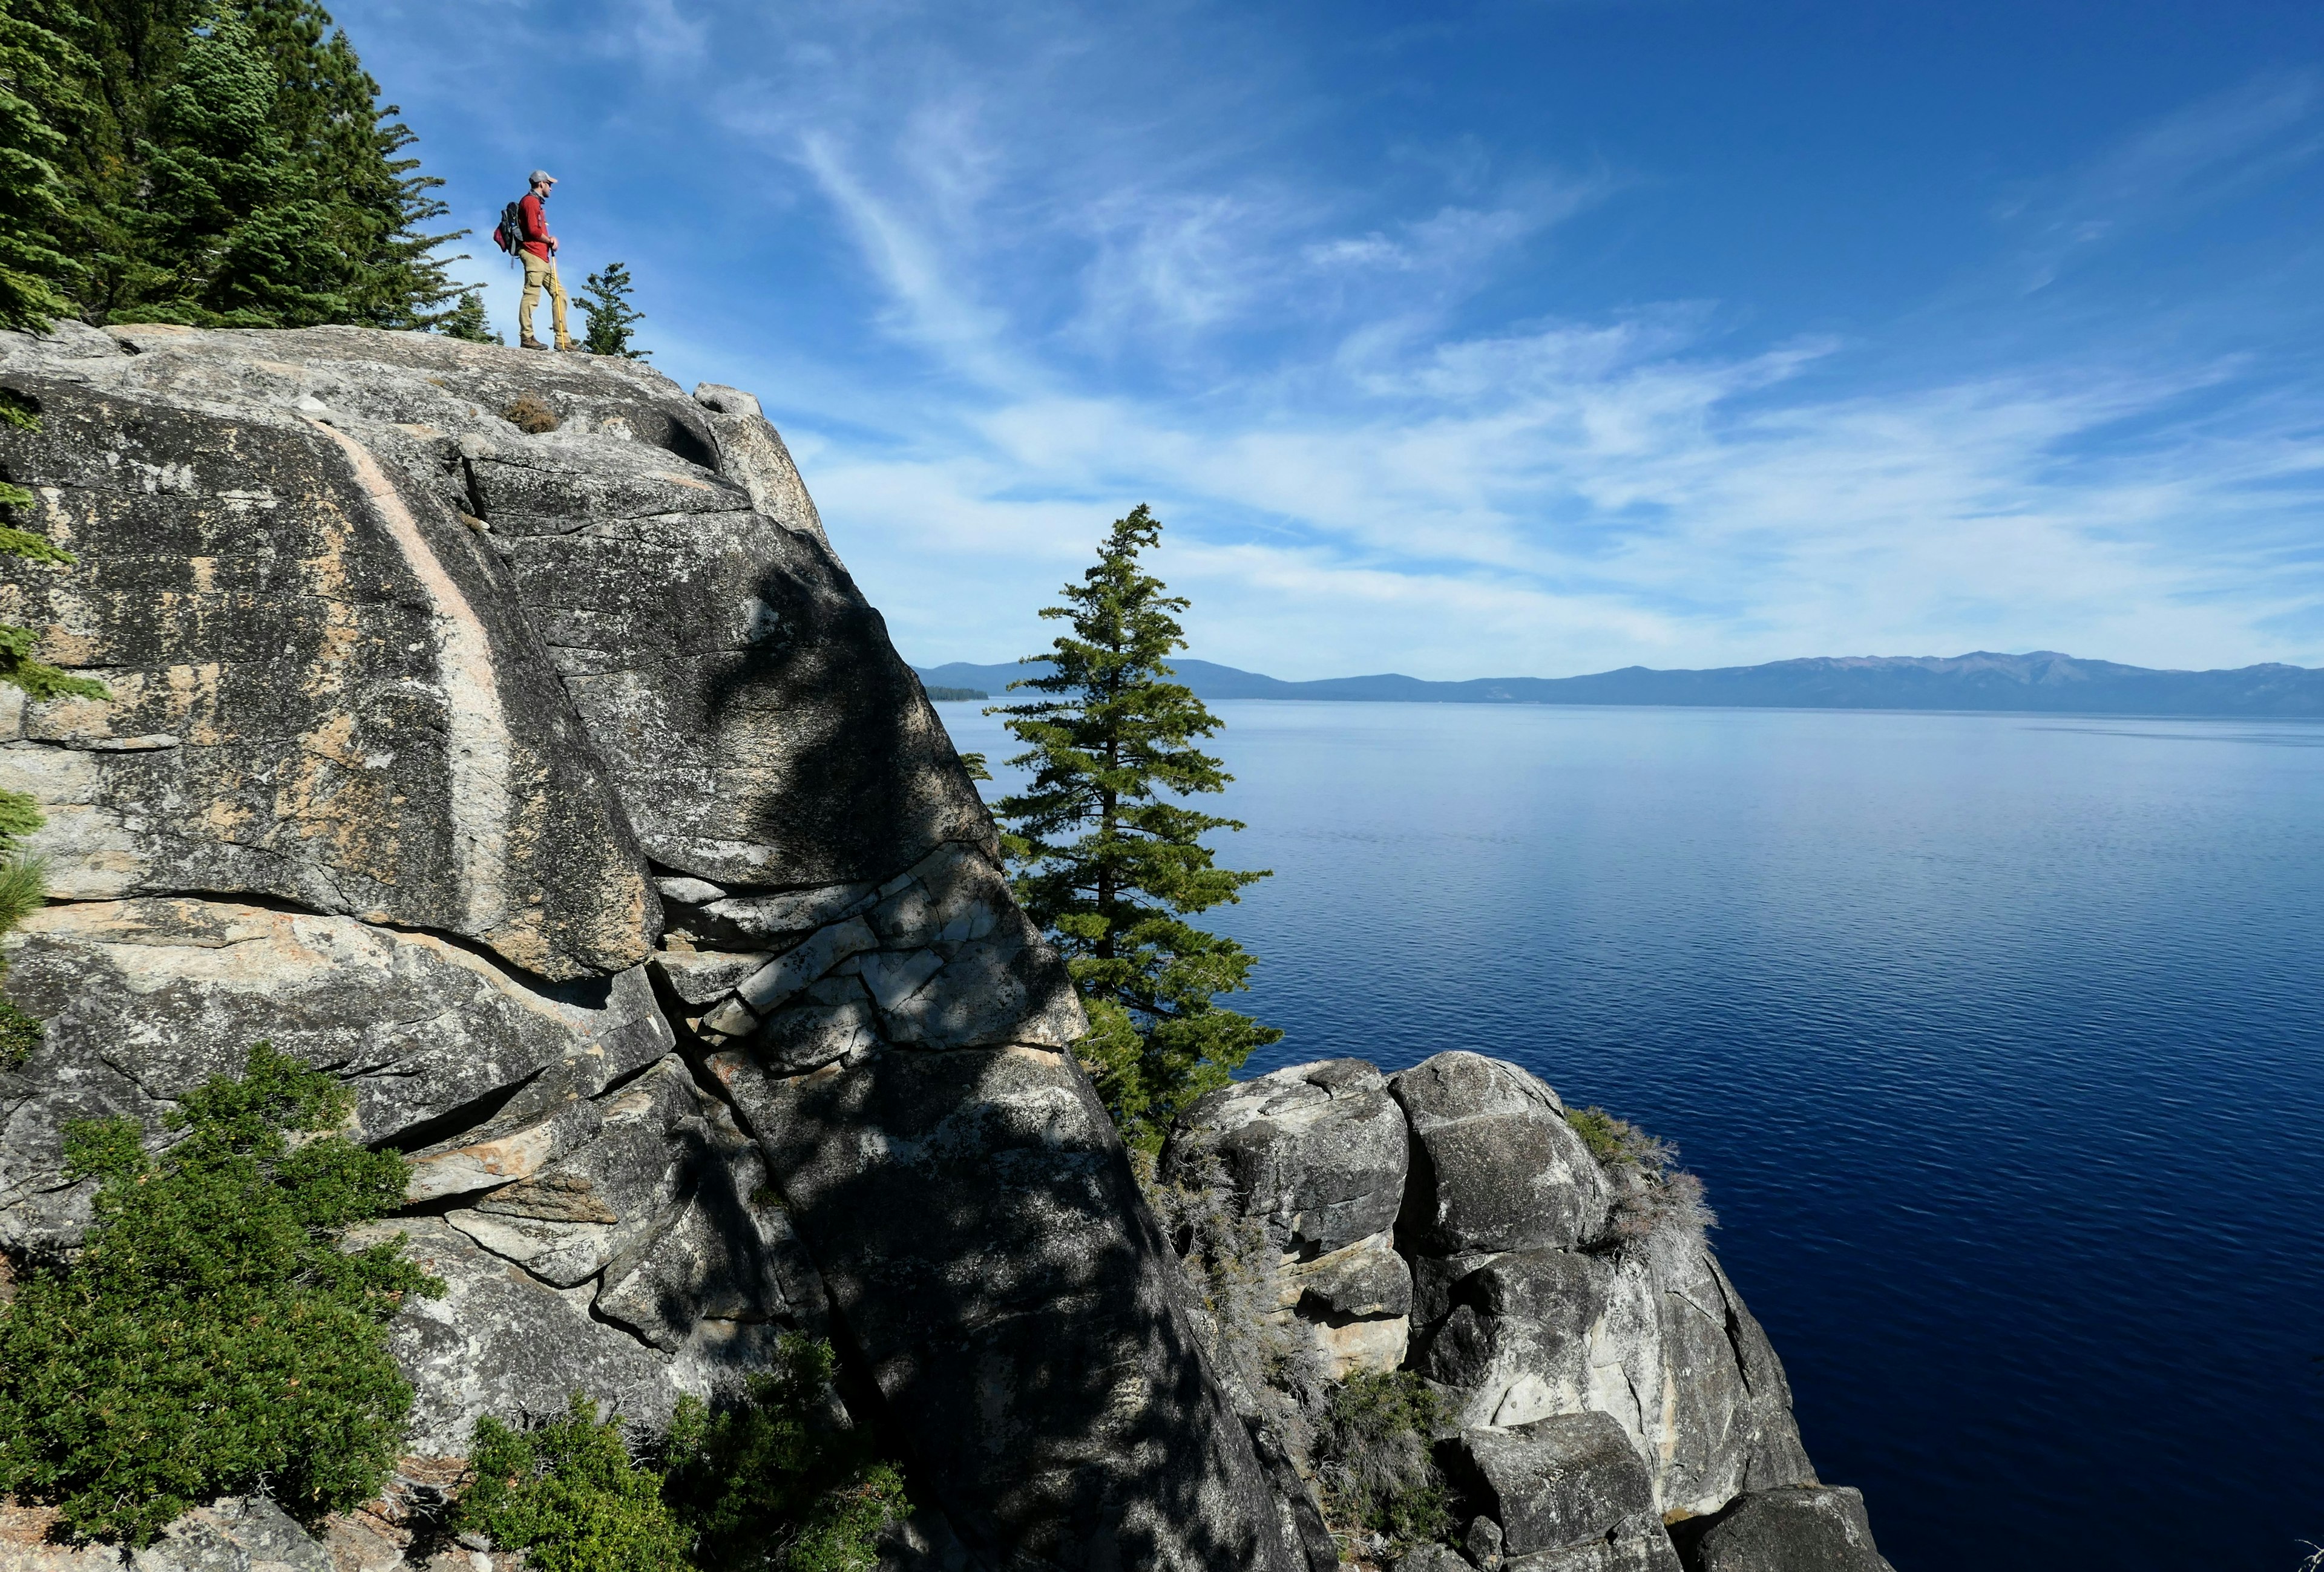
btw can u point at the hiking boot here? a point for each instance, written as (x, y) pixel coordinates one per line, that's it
(528, 341)
(569, 346)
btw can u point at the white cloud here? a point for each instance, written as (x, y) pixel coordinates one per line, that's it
(1068, 259)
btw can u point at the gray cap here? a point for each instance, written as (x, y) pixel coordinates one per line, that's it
(537, 176)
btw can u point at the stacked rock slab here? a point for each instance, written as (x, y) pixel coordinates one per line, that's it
(1599, 1387)
(556, 788)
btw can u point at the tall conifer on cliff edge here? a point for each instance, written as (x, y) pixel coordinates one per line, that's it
(1108, 866)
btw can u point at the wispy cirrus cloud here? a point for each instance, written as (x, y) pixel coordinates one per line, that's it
(1047, 259)
(2198, 156)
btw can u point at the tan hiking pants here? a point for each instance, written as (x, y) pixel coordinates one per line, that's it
(539, 272)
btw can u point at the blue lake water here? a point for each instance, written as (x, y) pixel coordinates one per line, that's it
(1997, 1040)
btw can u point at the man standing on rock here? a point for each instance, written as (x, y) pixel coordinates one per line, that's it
(539, 257)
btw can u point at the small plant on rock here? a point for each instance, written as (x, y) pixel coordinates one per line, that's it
(569, 1493)
(1373, 1459)
(1271, 1367)
(213, 1337)
(1658, 1206)
(530, 414)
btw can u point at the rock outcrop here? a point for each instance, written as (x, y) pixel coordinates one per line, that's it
(500, 732)
(558, 790)
(1601, 1385)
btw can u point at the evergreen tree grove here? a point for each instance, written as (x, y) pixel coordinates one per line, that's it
(224, 163)
(1108, 866)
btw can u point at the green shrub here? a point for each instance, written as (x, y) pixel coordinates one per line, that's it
(212, 1338)
(780, 1480)
(1610, 1140)
(1373, 1458)
(571, 1496)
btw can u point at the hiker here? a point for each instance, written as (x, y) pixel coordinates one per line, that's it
(538, 254)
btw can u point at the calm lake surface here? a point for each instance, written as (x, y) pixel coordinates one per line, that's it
(1996, 1038)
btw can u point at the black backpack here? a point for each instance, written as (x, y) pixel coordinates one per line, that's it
(509, 233)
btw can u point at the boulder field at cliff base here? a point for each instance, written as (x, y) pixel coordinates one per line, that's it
(560, 792)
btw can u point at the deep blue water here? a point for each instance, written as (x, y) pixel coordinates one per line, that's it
(1996, 1039)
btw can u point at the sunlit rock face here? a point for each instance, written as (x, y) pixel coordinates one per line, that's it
(555, 786)
(1600, 1384)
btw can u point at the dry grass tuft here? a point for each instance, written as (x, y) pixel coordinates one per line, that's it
(1658, 1206)
(530, 414)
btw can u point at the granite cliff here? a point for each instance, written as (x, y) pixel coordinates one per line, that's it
(500, 732)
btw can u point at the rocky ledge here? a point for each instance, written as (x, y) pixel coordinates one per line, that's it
(500, 732)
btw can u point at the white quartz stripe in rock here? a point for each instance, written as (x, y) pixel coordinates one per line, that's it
(478, 736)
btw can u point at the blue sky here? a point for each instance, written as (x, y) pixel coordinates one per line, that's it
(1502, 338)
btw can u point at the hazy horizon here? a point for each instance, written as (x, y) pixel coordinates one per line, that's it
(1594, 671)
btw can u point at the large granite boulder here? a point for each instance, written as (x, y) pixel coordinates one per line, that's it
(1567, 1494)
(1316, 1155)
(1494, 1164)
(323, 693)
(146, 998)
(500, 731)
(1810, 1529)
(1043, 1369)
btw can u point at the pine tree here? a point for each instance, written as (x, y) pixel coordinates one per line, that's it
(238, 243)
(605, 298)
(1107, 867)
(273, 193)
(33, 63)
(467, 320)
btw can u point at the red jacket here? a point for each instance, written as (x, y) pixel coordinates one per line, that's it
(536, 224)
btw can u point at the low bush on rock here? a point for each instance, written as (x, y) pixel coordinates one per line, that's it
(780, 1482)
(1658, 1206)
(530, 413)
(569, 1493)
(212, 1338)
(1373, 1458)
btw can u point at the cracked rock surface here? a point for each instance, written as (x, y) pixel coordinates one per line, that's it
(1600, 1387)
(560, 792)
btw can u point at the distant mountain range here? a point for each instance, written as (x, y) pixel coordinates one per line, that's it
(2043, 681)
